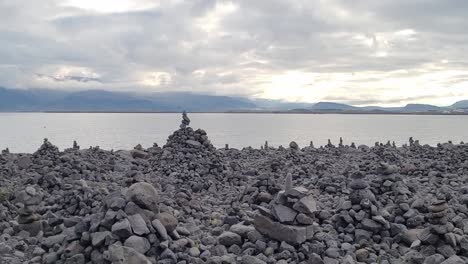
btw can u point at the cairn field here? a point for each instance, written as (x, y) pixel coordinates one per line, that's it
(189, 202)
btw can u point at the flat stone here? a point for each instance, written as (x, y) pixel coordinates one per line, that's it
(193, 143)
(371, 225)
(98, 238)
(241, 229)
(122, 229)
(297, 192)
(306, 205)
(138, 225)
(283, 213)
(291, 234)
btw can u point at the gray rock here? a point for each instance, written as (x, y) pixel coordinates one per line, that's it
(454, 260)
(122, 229)
(241, 229)
(125, 255)
(251, 260)
(168, 221)
(291, 234)
(144, 195)
(283, 213)
(98, 238)
(140, 244)
(306, 205)
(138, 225)
(160, 229)
(229, 238)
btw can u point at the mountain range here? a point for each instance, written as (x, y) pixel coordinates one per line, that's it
(41, 100)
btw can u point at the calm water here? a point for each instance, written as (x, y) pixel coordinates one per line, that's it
(24, 132)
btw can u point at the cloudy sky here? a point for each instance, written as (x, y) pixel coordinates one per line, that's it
(363, 52)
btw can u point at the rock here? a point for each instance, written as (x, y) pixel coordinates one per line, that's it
(306, 205)
(125, 255)
(98, 238)
(24, 162)
(122, 229)
(434, 259)
(362, 254)
(76, 259)
(454, 260)
(229, 238)
(371, 225)
(293, 145)
(251, 260)
(138, 225)
(140, 244)
(160, 229)
(168, 221)
(241, 229)
(53, 240)
(144, 195)
(283, 213)
(291, 234)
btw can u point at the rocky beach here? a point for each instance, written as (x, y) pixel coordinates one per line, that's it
(189, 202)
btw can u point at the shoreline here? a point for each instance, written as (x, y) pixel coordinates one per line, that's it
(243, 112)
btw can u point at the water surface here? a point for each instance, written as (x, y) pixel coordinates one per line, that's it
(24, 132)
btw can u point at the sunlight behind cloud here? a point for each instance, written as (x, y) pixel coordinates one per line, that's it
(111, 6)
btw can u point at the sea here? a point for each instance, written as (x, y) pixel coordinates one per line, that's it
(24, 132)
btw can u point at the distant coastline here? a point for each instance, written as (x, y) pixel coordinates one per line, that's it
(250, 112)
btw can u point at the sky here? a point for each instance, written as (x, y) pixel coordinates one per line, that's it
(361, 52)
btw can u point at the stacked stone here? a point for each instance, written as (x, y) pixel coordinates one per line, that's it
(75, 145)
(360, 192)
(189, 160)
(266, 188)
(293, 145)
(6, 151)
(46, 148)
(185, 120)
(28, 219)
(129, 228)
(387, 177)
(290, 217)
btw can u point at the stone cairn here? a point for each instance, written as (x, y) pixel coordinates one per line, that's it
(28, 220)
(290, 216)
(75, 145)
(185, 120)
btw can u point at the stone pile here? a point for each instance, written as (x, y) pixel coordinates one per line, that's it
(185, 121)
(290, 217)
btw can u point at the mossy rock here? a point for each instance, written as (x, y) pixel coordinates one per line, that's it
(4, 195)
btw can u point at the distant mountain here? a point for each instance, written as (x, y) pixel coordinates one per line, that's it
(421, 108)
(38, 100)
(460, 105)
(103, 101)
(328, 106)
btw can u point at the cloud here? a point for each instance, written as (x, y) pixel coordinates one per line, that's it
(386, 52)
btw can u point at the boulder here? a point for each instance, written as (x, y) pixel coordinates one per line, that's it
(144, 195)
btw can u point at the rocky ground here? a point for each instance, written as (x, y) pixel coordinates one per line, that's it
(188, 202)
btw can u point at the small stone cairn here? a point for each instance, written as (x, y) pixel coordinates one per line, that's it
(28, 201)
(185, 120)
(290, 216)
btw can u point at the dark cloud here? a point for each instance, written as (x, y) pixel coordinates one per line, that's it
(237, 47)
